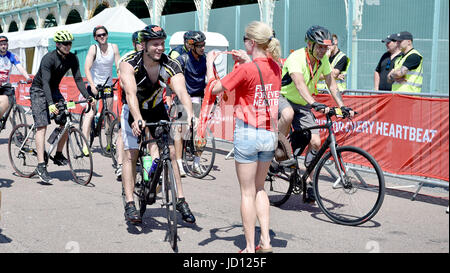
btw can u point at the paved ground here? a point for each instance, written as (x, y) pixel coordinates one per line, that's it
(67, 217)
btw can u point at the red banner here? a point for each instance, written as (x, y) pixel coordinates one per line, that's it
(407, 135)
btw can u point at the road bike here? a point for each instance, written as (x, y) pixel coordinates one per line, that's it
(340, 191)
(15, 112)
(102, 120)
(145, 191)
(22, 146)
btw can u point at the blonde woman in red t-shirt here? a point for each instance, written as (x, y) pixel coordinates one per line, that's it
(255, 135)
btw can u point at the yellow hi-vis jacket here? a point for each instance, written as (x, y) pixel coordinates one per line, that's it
(414, 78)
(342, 84)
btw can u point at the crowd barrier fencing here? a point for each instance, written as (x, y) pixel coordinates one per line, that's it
(407, 134)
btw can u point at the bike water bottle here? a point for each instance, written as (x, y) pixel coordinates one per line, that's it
(54, 135)
(146, 165)
(154, 166)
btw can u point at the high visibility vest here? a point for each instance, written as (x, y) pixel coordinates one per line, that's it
(414, 78)
(342, 84)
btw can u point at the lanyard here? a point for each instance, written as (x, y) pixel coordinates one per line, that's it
(311, 69)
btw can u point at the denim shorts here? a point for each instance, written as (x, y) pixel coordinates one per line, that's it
(253, 144)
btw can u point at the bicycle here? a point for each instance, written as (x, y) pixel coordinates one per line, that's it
(18, 112)
(207, 153)
(145, 190)
(22, 146)
(102, 120)
(344, 198)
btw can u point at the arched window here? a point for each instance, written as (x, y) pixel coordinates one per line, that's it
(13, 27)
(228, 3)
(30, 24)
(100, 8)
(138, 8)
(178, 6)
(50, 21)
(73, 17)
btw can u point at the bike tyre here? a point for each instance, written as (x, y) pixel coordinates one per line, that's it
(74, 151)
(367, 192)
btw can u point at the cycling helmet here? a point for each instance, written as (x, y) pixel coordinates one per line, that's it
(188, 35)
(63, 36)
(197, 37)
(135, 37)
(320, 35)
(152, 32)
(3, 38)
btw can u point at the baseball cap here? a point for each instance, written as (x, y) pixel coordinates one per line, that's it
(389, 38)
(404, 35)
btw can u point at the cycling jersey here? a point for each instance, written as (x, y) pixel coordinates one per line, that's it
(6, 63)
(297, 62)
(52, 69)
(150, 94)
(194, 73)
(177, 51)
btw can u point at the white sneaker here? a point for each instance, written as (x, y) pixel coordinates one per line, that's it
(180, 167)
(197, 168)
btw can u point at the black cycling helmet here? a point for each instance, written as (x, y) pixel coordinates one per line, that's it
(3, 38)
(135, 37)
(197, 37)
(188, 35)
(320, 35)
(152, 32)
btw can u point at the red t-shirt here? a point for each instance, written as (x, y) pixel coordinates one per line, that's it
(250, 105)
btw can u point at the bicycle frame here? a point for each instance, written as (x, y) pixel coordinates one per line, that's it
(331, 143)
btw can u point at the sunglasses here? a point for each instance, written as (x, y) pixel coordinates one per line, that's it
(66, 43)
(245, 39)
(101, 34)
(200, 45)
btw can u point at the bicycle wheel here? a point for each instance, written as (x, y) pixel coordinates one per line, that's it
(105, 123)
(113, 135)
(81, 165)
(355, 200)
(280, 181)
(169, 201)
(278, 185)
(17, 116)
(22, 150)
(207, 157)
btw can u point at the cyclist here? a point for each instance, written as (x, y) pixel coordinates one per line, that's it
(144, 74)
(184, 48)
(7, 60)
(137, 47)
(45, 93)
(174, 53)
(300, 74)
(257, 85)
(194, 70)
(98, 68)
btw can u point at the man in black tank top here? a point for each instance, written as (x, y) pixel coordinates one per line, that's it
(144, 75)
